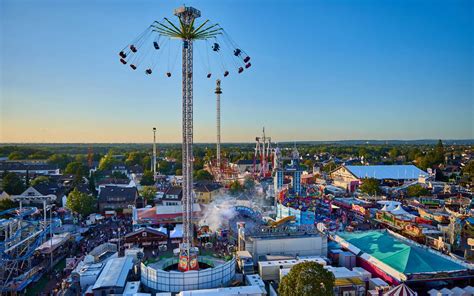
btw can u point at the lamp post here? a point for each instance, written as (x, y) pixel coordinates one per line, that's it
(50, 208)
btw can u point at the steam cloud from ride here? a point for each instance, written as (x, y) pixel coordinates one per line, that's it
(220, 211)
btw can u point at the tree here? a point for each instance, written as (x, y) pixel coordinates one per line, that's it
(432, 158)
(203, 175)
(81, 158)
(40, 180)
(135, 158)
(148, 193)
(439, 151)
(307, 279)
(12, 184)
(468, 170)
(394, 153)
(146, 162)
(92, 184)
(164, 166)
(178, 172)
(16, 155)
(370, 186)
(198, 163)
(61, 160)
(76, 168)
(6, 204)
(147, 178)
(107, 162)
(309, 164)
(329, 167)
(235, 187)
(363, 152)
(417, 190)
(39, 155)
(413, 154)
(118, 175)
(81, 203)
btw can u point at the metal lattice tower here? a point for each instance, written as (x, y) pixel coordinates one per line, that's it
(187, 15)
(154, 154)
(187, 31)
(218, 123)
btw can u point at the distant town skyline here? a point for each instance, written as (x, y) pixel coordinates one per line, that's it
(322, 70)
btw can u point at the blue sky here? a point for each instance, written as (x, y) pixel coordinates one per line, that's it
(321, 70)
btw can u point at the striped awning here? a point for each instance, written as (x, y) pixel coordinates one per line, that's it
(400, 290)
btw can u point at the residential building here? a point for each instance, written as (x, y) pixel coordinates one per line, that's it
(205, 192)
(30, 168)
(172, 196)
(119, 198)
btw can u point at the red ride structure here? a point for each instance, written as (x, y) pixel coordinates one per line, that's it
(263, 154)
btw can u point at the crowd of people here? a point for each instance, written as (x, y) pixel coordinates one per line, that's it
(103, 231)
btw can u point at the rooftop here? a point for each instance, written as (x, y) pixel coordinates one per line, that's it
(21, 166)
(397, 172)
(127, 193)
(114, 273)
(400, 255)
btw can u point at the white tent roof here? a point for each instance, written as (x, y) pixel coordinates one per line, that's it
(161, 229)
(446, 291)
(389, 205)
(459, 292)
(177, 232)
(400, 211)
(469, 289)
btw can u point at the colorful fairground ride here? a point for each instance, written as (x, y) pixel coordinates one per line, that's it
(303, 205)
(22, 231)
(293, 197)
(308, 201)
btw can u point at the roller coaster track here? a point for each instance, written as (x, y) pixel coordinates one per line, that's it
(19, 238)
